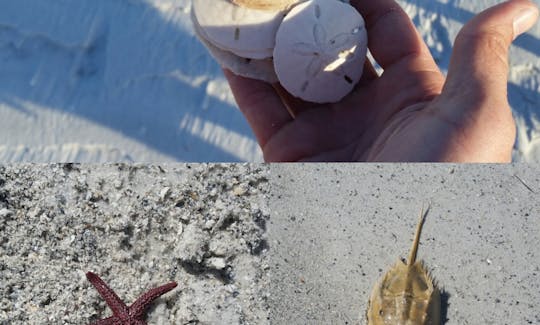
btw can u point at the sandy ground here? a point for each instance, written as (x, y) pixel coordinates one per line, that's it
(336, 228)
(202, 226)
(279, 244)
(126, 80)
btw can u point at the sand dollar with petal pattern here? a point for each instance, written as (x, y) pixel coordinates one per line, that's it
(243, 31)
(320, 50)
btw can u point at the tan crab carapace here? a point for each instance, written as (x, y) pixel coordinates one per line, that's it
(266, 4)
(406, 294)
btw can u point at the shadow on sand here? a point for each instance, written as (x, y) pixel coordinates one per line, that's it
(129, 69)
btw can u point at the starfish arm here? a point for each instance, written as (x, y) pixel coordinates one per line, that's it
(117, 306)
(107, 321)
(138, 307)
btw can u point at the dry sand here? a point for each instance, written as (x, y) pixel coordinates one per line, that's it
(336, 228)
(137, 227)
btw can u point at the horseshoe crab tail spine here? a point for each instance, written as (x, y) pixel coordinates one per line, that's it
(416, 242)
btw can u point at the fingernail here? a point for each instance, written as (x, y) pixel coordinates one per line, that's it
(524, 20)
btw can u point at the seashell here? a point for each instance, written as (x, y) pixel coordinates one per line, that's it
(243, 31)
(320, 61)
(406, 294)
(320, 50)
(249, 68)
(266, 4)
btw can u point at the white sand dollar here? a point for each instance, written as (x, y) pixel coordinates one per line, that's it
(245, 32)
(320, 50)
(250, 68)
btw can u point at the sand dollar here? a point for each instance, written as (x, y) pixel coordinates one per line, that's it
(243, 31)
(320, 50)
(251, 68)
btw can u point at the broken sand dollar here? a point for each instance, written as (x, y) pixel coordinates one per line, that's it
(250, 68)
(266, 4)
(243, 31)
(320, 50)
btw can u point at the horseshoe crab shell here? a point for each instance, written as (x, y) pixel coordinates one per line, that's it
(246, 32)
(406, 295)
(320, 50)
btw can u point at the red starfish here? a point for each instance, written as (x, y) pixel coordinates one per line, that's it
(122, 314)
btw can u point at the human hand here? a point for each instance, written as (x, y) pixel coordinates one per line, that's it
(410, 112)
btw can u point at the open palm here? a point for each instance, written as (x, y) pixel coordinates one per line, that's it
(410, 112)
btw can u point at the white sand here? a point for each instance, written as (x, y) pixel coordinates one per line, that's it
(105, 80)
(137, 227)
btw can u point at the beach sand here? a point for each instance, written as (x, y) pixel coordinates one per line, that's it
(280, 244)
(336, 229)
(126, 80)
(137, 227)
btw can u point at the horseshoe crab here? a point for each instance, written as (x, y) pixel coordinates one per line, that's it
(406, 294)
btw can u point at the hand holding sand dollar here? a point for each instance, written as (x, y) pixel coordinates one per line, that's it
(316, 48)
(410, 112)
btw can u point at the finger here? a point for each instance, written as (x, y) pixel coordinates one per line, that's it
(474, 98)
(479, 66)
(392, 35)
(294, 105)
(260, 104)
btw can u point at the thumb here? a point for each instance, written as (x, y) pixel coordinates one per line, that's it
(479, 67)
